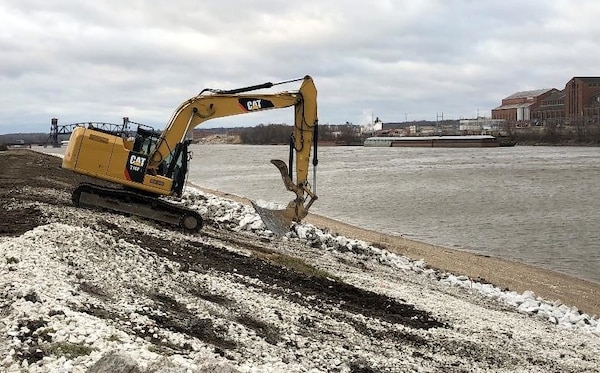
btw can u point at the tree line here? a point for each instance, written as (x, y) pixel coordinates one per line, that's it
(555, 135)
(345, 134)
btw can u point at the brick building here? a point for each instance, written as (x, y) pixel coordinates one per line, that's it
(519, 106)
(581, 97)
(578, 102)
(551, 110)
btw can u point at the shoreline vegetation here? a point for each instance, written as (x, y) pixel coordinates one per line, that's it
(345, 135)
(507, 274)
(576, 134)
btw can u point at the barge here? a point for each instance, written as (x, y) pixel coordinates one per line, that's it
(467, 141)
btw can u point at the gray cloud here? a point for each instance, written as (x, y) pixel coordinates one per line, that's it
(100, 61)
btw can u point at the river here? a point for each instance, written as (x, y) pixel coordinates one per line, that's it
(537, 205)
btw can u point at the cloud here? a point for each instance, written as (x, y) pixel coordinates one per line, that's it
(100, 61)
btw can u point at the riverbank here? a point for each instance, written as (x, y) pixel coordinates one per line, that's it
(85, 291)
(506, 274)
(515, 276)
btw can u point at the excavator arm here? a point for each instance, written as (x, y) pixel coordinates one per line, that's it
(304, 138)
(211, 104)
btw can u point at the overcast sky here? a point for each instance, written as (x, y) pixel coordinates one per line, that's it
(83, 61)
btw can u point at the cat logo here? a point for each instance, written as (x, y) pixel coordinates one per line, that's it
(136, 162)
(253, 104)
(135, 170)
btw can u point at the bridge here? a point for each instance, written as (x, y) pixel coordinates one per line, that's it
(66, 129)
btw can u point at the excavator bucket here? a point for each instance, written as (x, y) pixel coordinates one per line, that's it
(277, 221)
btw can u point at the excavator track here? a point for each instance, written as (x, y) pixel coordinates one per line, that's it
(129, 202)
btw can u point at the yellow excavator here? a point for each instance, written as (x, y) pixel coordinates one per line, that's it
(153, 164)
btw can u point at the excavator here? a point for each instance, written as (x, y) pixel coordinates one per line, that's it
(137, 175)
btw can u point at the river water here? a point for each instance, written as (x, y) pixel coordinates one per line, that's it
(537, 205)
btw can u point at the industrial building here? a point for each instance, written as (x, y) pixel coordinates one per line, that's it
(578, 102)
(519, 106)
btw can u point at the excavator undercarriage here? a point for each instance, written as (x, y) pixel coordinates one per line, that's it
(134, 203)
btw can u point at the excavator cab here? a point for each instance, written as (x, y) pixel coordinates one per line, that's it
(175, 164)
(145, 139)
